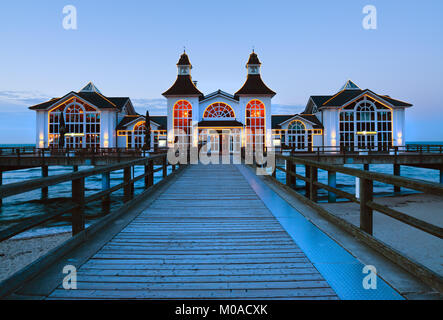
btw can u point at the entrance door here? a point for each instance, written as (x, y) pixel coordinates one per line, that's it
(213, 141)
(365, 141)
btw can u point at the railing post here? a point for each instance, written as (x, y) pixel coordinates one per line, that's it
(366, 195)
(151, 173)
(1, 182)
(165, 166)
(397, 170)
(78, 197)
(127, 192)
(45, 190)
(332, 182)
(147, 174)
(307, 183)
(313, 177)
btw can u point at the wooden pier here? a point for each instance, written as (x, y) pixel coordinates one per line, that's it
(203, 232)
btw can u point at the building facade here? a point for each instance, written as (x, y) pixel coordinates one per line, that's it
(352, 119)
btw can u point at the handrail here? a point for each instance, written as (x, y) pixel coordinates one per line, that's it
(21, 187)
(365, 198)
(78, 200)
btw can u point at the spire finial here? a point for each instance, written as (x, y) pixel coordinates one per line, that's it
(253, 49)
(184, 49)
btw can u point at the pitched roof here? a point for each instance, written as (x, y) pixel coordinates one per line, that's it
(218, 92)
(277, 119)
(342, 97)
(319, 100)
(184, 60)
(90, 87)
(350, 85)
(253, 59)
(313, 119)
(254, 85)
(183, 86)
(161, 120)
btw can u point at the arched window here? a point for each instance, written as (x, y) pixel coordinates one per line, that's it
(255, 124)
(182, 122)
(219, 110)
(366, 126)
(82, 124)
(139, 135)
(297, 135)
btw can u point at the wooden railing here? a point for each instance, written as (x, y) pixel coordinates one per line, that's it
(78, 200)
(365, 197)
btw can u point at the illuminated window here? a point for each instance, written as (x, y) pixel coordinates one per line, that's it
(255, 125)
(183, 122)
(82, 124)
(297, 135)
(366, 126)
(219, 110)
(139, 135)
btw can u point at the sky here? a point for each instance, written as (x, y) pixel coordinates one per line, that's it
(130, 48)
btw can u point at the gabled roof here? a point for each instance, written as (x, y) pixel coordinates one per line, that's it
(254, 85)
(218, 92)
(183, 86)
(90, 87)
(127, 120)
(91, 95)
(277, 119)
(343, 97)
(350, 85)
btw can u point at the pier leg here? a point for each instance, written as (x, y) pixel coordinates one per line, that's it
(45, 190)
(1, 182)
(75, 168)
(366, 195)
(397, 173)
(78, 196)
(165, 167)
(288, 175)
(366, 166)
(307, 187)
(106, 184)
(127, 193)
(313, 177)
(441, 176)
(332, 182)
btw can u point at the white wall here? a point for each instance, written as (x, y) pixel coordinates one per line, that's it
(331, 127)
(42, 139)
(398, 129)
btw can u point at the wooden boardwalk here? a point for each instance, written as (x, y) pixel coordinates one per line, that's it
(208, 236)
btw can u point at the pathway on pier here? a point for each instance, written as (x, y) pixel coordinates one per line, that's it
(207, 236)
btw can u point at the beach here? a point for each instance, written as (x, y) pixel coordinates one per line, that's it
(416, 244)
(15, 254)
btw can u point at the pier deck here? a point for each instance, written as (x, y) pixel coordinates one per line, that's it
(210, 232)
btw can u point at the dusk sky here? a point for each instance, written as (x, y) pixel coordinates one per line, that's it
(130, 48)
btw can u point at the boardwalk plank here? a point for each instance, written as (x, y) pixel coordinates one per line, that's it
(208, 236)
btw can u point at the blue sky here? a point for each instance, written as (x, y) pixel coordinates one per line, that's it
(130, 48)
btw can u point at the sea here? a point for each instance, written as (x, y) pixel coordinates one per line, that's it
(27, 205)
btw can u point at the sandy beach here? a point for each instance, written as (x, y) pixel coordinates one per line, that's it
(418, 245)
(18, 253)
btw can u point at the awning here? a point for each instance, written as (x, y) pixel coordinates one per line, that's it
(220, 124)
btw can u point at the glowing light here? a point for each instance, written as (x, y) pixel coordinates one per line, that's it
(367, 133)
